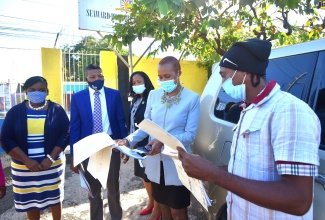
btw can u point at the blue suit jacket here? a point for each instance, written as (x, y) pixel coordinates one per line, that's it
(81, 121)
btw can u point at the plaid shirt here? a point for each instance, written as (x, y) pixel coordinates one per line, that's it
(277, 134)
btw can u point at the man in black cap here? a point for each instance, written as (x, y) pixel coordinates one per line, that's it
(274, 152)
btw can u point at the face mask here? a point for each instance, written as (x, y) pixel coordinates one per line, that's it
(168, 85)
(236, 92)
(96, 85)
(36, 96)
(139, 89)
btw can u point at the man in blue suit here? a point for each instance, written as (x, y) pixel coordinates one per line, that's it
(85, 120)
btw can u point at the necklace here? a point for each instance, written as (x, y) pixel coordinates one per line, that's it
(38, 108)
(170, 100)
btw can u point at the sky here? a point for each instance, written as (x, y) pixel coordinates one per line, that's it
(28, 25)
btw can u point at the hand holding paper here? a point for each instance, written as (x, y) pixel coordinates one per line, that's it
(170, 142)
(129, 152)
(98, 148)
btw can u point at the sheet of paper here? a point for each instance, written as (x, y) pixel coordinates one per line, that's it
(84, 183)
(98, 165)
(89, 145)
(170, 142)
(194, 185)
(127, 151)
(160, 134)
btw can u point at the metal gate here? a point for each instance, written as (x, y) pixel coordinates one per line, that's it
(11, 94)
(74, 79)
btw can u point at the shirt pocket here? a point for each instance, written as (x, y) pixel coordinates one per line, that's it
(249, 142)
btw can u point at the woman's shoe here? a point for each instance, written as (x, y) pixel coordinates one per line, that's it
(146, 211)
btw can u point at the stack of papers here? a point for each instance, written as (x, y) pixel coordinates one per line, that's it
(98, 148)
(84, 183)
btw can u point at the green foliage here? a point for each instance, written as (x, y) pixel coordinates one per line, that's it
(91, 45)
(81, 54)
(206, 29)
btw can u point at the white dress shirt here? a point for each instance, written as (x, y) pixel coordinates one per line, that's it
(105, 120)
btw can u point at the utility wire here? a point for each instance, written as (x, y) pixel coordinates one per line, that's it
(22, 35)
(25, 19)
(16, 48)
(25, 30)
(18, 35)
(40, 3)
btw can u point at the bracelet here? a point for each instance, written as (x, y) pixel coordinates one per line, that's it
(51, 159)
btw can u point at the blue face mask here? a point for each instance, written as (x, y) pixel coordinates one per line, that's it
(139, 89)
(235, 91)
(169, 85)
(96, 85)
(36, 96)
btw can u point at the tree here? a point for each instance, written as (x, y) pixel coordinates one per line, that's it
(79, 55)
(207, 29)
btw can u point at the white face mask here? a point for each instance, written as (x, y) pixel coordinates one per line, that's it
(139, 89)
(236, 92)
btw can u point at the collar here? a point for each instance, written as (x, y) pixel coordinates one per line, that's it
(92, 91)
(265, 92)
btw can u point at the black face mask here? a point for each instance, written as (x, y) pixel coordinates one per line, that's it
(96, 85)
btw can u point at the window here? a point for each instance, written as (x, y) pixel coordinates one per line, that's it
(293, 74)
(227, 108)
(320, 111)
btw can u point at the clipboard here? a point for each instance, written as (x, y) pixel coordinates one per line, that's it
(83, 181)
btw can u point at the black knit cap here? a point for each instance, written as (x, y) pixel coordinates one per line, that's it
(250, 56)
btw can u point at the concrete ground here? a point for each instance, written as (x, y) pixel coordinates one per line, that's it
(76, 206)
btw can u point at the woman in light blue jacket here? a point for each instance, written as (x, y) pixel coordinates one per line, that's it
(175, 109)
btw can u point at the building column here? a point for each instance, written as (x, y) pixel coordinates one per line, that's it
(51, 71)
(108, 63)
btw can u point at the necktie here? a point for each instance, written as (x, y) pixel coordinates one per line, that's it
(98, 127)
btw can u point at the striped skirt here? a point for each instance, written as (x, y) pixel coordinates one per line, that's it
(37, 190)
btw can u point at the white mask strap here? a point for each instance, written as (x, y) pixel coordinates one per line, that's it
(244, 79)
(234, 74)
